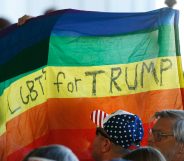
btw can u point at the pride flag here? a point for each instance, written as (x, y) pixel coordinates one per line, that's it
(56, 69)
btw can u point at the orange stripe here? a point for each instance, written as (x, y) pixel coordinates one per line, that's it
(3, 152)
(75, 113)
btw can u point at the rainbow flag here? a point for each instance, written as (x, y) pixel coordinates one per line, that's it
(56, 69)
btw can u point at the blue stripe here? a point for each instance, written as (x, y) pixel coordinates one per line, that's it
(85, 23)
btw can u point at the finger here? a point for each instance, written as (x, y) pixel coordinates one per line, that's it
(23, 20)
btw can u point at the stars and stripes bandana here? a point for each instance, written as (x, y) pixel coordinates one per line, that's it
(124, 128)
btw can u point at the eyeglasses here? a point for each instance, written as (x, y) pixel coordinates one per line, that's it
(158, 134)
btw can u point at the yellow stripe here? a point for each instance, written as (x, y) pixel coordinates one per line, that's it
(96, 81)
(180, 72)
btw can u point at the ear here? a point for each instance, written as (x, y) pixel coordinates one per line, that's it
(180, 153)
(181, 148)
(106, 145)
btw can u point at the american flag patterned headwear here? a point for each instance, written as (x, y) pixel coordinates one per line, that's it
(124, 128)
(98, 116)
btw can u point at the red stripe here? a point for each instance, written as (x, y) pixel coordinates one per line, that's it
(3, 151)
(100, 119)
(83, 139)
(105, 115)
(96, 116)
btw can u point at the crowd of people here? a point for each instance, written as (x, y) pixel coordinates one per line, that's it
(119, 136)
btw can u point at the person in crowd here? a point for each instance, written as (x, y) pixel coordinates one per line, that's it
(39, 159)
(51, 153)
(145, 154)
(49, 10)
(167, 134)
(170, 3)
(116, 134)
(22, 20)
(119, 159)
(4, 23)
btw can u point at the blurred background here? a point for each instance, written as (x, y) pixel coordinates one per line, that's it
(11, 10)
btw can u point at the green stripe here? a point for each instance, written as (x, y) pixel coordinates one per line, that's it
(177, 39)
(121, 49)
(27, 60)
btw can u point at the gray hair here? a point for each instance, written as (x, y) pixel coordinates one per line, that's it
(178, 127)
(145, 154)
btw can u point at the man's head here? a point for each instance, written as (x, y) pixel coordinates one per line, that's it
(116, 134)
(51, 153)
(145, 154)
(4, 23)
(167, 133)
